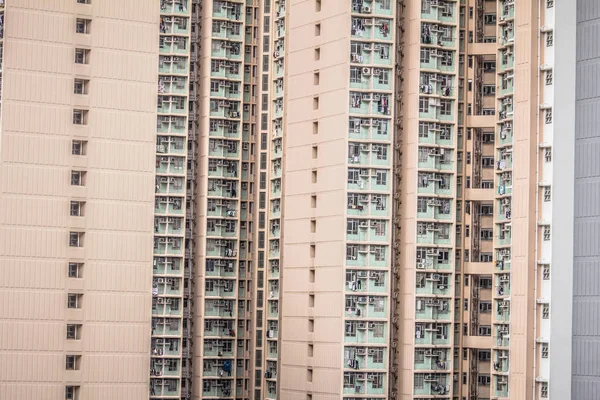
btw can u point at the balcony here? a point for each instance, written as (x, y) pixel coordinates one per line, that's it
(371, 358)
(435, 334)
(166, 387)
(366, 306)
(438, 60)
(157, 368)
(166, 327)
(220, 288)
(435, 384)
(430, 308)
(217, 388)
(218, 368)
(173, 267)
(166, 287)
(435, 234)
(172, 309)
(168, 205)
(377, 104)
(226, 69)
(362, 256)
(435, 360)
(171, 124)
(165, 347)
(371, 7)
(219, 328)
(228, 30)
(367, 282)
(177, 7)
(233, 13)
(433, 284)
(439, 209)
(177, 45)
(369, 129)
(226, 49)
(443, 11)
(437, 159)
(434, 183)
(219, 348)
(373, 332)
(176, 26)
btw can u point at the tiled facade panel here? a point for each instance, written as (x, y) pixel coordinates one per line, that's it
(586, 279)
(36, 161)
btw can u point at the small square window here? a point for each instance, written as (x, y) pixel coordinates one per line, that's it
(83, 25)
(76, 208)
(71, 392)
(82, 56)
(73, 331)
(84, 1)
(76, 239)
(80, 86)
(78, 147)
(80, 117)
(77, 178)
(75, 270)
(74, 300)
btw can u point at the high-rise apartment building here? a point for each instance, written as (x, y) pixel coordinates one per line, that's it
(298, 199)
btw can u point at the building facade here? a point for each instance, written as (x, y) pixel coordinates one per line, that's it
(298, 199)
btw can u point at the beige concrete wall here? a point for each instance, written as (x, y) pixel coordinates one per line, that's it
(524, 202)
(35, 167)
(330, 189)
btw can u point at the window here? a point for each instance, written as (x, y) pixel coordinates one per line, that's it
(82, 56)
(77, 178)
(547, 193)
(546, 272)
(78, 147)
(423, 104)
(489, 90)
(483, 380)
(487, 234)
(73, 331)
(425, 54)
(545, 311)
(377, 356)
(546, 233)
(72, 362)
(83, 25)
(419, 381)
(422, 205)
(544, 390)
(381, 151)
(487, 184)
(446, 107)
(549, 39)
(549, 77)
(548, 116)
(377, 382)
(75, 270)
(549, 3)
(381, 177)
(84, 1)
(71, 392)
(484, 355)
(489, 19)
(489, 66)
(80, 117)
(485, 330)
(80, 86)
(487, 162)
(485, 307)
(76, 239)
(352, 227)
(544, 350)
(76, 209)
(548, 154)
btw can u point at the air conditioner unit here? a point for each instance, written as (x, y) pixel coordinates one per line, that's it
(366, 71)
(366, 9)
(362, 325)
(366, 46)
